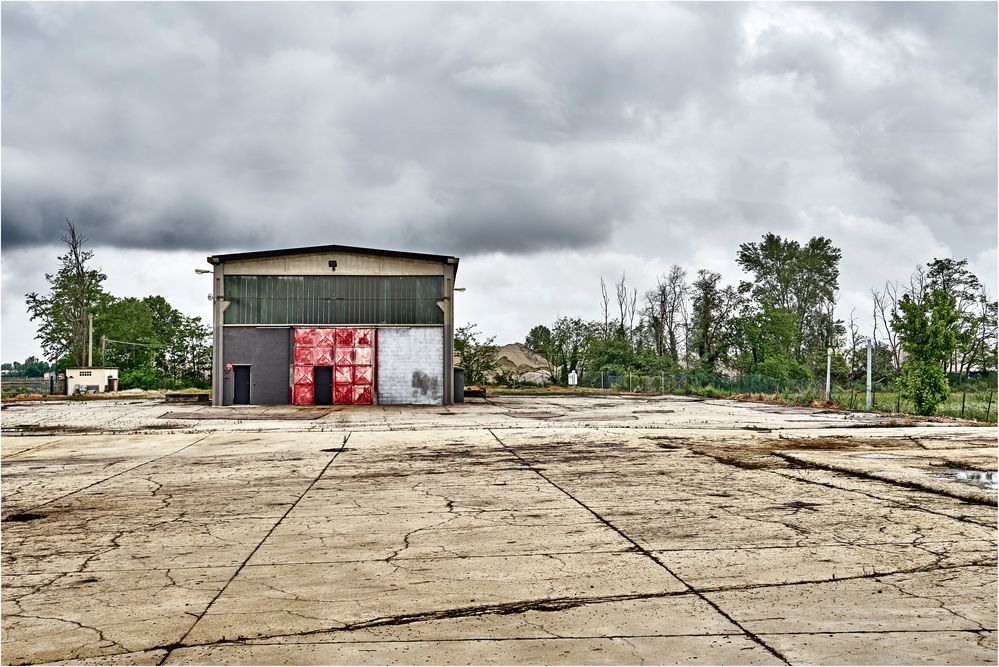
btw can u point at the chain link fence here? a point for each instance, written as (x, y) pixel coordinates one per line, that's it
(964, 402)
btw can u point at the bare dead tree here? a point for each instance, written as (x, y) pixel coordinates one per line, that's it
(917, 284)
(886, 305)
(76, 258)
(605, 302)
(666, 307)
(627, 304)
(854, 342)
(622, 298)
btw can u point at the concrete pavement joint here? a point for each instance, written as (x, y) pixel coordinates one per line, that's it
(118, 474)
(180, 642)
(645, 553)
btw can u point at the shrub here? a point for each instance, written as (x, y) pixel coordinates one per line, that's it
(142, 377)
(708, 391)
(925, 384)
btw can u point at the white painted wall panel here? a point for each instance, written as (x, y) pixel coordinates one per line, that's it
(410, 366)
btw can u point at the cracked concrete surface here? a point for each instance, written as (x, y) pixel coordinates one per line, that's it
(610, 530)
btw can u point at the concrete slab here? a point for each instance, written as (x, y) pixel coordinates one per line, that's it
(887, 648)
(608, 530)
(712, 650)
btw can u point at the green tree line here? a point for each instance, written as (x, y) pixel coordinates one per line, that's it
(779, 322)
(152, 343)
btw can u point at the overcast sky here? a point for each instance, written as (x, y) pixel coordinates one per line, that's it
(544, 144)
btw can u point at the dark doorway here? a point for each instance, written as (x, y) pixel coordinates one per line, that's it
(322, 385)
(241, 385)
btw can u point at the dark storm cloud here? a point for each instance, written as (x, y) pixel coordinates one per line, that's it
(468, 128)
(479, 127)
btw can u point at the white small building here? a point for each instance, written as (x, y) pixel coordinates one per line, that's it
(91, 380)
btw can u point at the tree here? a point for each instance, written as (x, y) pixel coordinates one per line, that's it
(477, 359)
(539, 339)
(605, 308)
(626, 304)
(928, 332)
(762, 339)
(713, 308)
(31, 368)
(35, 368)
(564, 346)
(152, 336)
(75, 293)
(666, 311)
(970, 301)
(800, 279)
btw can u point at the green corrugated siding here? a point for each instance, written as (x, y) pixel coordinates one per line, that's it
(333, 299)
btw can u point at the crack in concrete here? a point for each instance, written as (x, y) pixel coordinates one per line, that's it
(646, 553)
(891, 501)
(98, 631)
(118, 474)
(239, 569)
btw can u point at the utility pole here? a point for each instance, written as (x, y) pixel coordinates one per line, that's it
(868, 374)
(90, 340)
(828, 374)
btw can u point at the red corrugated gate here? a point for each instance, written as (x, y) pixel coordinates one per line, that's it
(351, 354)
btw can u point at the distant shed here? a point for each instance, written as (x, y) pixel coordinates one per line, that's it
(91, 380)
(333, 325)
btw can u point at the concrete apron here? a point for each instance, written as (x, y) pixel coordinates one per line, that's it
(509, 531)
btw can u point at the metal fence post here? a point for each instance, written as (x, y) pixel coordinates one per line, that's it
(868, 375)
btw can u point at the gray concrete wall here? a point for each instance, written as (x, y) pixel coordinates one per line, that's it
(410, 365)
(268, 352)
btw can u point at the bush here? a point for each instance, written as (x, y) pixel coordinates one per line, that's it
(783, 368)
(143, 377)
(708, 392)
(925, 384)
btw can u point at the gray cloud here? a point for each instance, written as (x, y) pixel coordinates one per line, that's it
(641, 132)
(278, 123)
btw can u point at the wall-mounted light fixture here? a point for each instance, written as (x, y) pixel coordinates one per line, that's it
(332, 264)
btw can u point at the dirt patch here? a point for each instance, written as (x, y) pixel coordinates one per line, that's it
(22, 517)
(598, 418)
(835, 442)
(45, 429)
(240, 415)
(533, 415)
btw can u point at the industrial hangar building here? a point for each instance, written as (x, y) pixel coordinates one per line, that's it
(333, 325)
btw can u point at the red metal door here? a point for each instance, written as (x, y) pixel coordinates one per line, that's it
(351, 352)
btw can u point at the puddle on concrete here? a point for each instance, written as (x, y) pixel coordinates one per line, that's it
(887, 456)
(985, 480)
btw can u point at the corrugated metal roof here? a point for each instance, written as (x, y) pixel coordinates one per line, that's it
(260, 254)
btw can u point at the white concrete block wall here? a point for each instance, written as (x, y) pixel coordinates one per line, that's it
(410, 365)
(89, 377)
